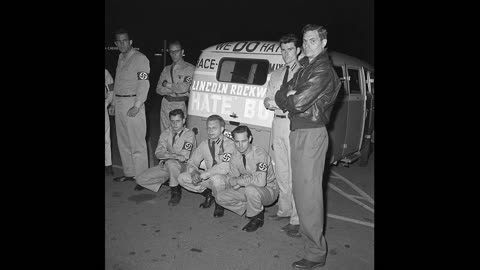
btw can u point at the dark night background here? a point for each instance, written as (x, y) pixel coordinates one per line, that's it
(200, 24)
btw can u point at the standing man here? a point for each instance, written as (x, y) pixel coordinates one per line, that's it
(108, 100)
(131, 90)
(216, 151)
(174, 147)
(309, 98)
(281, 132)
(251, 180)
(174, 84)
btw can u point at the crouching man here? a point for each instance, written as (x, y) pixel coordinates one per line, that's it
(173, 150)
(251, 180)
(216, 151)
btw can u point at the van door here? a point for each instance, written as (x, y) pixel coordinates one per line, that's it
(337, 126)
(356, 110)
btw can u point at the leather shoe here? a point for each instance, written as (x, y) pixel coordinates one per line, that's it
(219, 210)
(176, 195)
(290, 227)
(209, 199)
(294, 234)
(305, 264)
(255, 223)
(123, 179)
(276, 217)
(139, 188)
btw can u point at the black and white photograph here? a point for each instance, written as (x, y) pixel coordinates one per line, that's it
(239, 135)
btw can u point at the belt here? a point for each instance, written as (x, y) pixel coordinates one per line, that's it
(172, 99)
(280, 116)
(126, 95)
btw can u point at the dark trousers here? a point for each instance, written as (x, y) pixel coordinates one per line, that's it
(308, 150)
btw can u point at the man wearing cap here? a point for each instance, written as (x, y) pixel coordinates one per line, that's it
(174, 147)
(280, 135)
(174, 84)
(130, 92)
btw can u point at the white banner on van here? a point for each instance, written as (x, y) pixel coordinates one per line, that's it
(243, 108)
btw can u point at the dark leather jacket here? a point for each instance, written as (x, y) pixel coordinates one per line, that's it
(316, 85)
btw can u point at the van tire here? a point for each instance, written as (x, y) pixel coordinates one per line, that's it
(365, 153)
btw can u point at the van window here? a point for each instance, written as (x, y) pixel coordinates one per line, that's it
(247, 71)
(354, 81)
(342, 92)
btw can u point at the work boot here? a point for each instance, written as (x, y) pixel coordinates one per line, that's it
(176, 195)
(219, 210)
(255, 223)
(209, 199)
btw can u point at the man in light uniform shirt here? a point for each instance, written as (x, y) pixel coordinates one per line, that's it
(280, 135)
(174, 147)
(174, 84)
(108, 100)
(131, 90)
(251, 182)
(216, 152)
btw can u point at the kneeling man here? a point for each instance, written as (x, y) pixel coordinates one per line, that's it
(216, 151)
(251, 180)
(173, 150)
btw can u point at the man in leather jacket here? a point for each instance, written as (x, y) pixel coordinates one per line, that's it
(309, 98)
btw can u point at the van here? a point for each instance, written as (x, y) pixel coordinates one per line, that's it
(231, 80)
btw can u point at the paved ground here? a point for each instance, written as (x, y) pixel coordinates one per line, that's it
(142, 232)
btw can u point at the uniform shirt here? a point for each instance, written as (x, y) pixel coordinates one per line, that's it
(108, 81)
(132, 76)
(258, 171)
(182, 79)
(224, 148)
(276, 80)
(184, 143)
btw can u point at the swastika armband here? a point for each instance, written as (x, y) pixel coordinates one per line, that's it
(188, 79)
(226, 157)
(227, 134)
(142, 75)
(261, 167)
(187, 146)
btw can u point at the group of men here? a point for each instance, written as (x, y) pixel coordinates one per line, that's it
(237, 175)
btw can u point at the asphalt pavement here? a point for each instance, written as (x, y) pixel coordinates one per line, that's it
(142, 232)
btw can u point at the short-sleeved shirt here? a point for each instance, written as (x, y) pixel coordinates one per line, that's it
(132, 76)
(184, 144)
(224, 148)
(259, 167)
(182, 78)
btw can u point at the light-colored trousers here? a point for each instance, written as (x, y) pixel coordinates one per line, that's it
(309, 147)
(216, 183)
(249, 198)
(283, 172)
(131, 133)
(154, 177)
(165, 109)
(108, 146)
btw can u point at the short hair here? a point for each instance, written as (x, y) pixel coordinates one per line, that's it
(176, 112)
(121, 31)
(289, 38)
(175, 42)
(242, 129)
(322, 32)
(216, 117)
